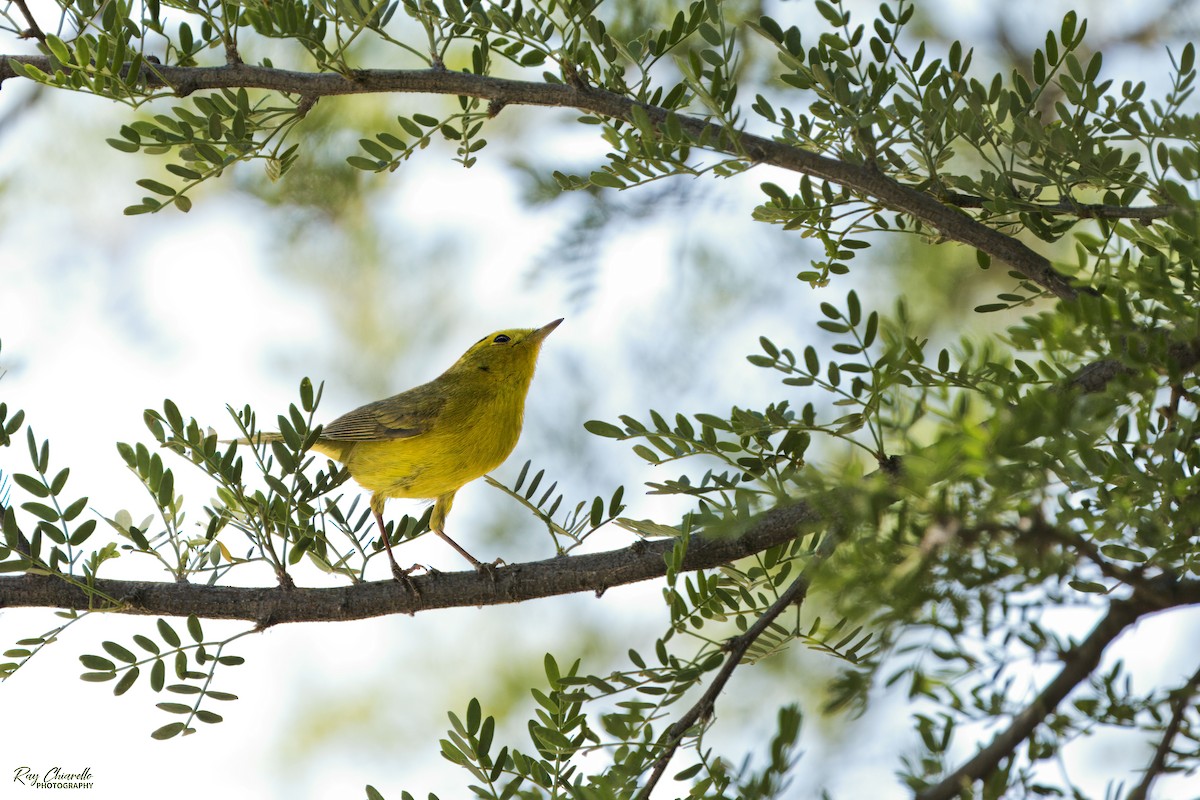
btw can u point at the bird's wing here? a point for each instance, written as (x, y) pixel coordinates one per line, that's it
(408, 414)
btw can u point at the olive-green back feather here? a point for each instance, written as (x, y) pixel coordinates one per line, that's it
(402, 416)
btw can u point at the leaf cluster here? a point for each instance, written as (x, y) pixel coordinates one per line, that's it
(128, 664)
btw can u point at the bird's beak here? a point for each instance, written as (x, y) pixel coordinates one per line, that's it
(544, 331)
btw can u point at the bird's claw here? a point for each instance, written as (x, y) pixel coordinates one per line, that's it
(404, 576)
(489, 568)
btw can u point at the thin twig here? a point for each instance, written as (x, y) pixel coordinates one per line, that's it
(35, 30)
(736, 649)
(1181, 703)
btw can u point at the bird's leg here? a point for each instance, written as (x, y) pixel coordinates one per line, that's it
(387, 544)
(437, 523)
(401, 575)
(474, 561)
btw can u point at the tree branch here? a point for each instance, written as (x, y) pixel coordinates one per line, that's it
(1180, 704)
(1078, 664)
(865, 180)
(1066, 207)
(1183, 357)
(511, 584)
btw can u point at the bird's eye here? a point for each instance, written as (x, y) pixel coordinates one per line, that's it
(501, 339)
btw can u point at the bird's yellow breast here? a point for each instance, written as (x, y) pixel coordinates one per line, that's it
(472, 436)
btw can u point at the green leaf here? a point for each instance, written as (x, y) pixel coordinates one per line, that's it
(533, 58)
(119, 652)
(606, 180)
(168, 633)
(126, 681)
(1123, 553)
(374, 148)
(85, 530)
(184, 688)
(606, 429)
(146, 643)
(158, 675)
(717, 423)
(174, 708)
(97, 663)
(43, 512)
(147, 206)
(72, 511)
(646, 453)
(474, 713)
(31, 485)
(853, 308)
(168, 731)
(156, 187)
(183, 172)
(194, 629)
(60, 481)
(366, 165)
(58, 48)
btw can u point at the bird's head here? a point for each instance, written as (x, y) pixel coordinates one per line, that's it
(506, 355)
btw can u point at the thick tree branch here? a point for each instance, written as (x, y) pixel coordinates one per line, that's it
(864, 180)
(511, 584)
(1078, 663)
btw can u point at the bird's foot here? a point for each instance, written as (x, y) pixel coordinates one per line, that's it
(489, 568)
(404, 576)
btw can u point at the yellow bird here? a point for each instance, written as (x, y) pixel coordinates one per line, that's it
(431, 440)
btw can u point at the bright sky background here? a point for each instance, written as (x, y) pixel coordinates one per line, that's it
(102, 316)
